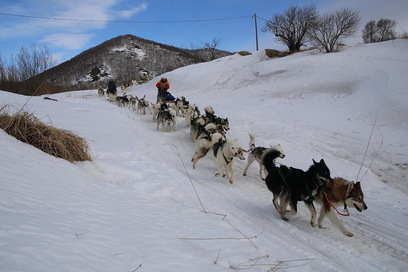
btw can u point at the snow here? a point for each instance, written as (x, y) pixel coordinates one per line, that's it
(140, 53)
(139, 205)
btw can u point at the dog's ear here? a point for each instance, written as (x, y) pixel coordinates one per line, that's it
(350, 187)
(314, 162)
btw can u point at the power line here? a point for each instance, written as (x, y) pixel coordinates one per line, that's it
(114, 21)
(263, 19)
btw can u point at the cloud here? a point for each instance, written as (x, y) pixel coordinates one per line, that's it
(67, 41)
(130, 12)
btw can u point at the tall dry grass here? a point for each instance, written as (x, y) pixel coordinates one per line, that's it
(57, 142)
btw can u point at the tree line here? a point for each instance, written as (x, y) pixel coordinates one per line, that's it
(297, 26)
(16, 75)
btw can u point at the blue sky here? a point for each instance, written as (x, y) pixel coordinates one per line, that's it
(180, 23)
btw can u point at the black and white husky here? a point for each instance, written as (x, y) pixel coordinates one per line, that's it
(290, 185)
(256, 153)
(182, 106)
(205, 143)
(166, 118)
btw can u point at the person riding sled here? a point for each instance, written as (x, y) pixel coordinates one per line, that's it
(111, 87)
(163, 86)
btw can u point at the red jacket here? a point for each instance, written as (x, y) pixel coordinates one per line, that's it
(163, 84)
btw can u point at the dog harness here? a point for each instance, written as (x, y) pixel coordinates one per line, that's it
(226, 159)
(311, 197)
(219, 145)
(346, 212)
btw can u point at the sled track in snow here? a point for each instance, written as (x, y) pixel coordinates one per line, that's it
(247, 204)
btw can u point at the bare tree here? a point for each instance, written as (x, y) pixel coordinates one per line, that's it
(386, 30)
(291, 27)
(33, 61)
(370, 32)
(212, 46)
(331, 27)
(20, 74)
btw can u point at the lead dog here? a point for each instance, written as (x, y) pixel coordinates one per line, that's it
(256, 154)
(290, 185)
(340, 192)
(224, 153)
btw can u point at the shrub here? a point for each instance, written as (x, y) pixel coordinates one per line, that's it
(272, 53)
(244, 53)
(57, 142)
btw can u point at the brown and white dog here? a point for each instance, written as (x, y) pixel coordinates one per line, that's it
(340, 193)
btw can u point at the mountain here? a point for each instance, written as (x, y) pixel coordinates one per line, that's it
(125, 59)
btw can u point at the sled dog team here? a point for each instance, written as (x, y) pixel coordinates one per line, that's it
(288, 185)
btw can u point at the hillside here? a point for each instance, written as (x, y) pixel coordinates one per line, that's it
(125, 59)
(139, 205)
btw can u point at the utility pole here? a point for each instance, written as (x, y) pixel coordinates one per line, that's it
(256, 31)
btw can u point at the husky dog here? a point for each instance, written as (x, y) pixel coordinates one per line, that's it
(204, 143)
(132, 102)
(142, 104)
(166, 118)
(156, 110)
(182, 106)
(192, 113)
(222, 123)
(122, 101)
(290, 185)
(112, 97)
(197, 124)
(340, 192)
(224, 153)
(256, 153)
(101, 92)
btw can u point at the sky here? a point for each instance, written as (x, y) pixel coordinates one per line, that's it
(68, 28)
(140, 206)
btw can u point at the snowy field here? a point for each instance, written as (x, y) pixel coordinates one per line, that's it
(139, 205)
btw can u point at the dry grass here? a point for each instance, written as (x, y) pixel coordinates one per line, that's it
(275, 53)
(57, 142)
(244, 53)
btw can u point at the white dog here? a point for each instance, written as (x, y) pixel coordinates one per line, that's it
(224, 153)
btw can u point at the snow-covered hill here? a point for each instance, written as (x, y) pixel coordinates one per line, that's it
(125, 59)
(139, 206)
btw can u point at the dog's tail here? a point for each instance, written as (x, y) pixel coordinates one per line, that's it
(251, 141)
(268, 158)
(209, 110)
(216, 137)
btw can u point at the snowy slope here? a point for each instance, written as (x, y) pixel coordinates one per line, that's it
(140, 206)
